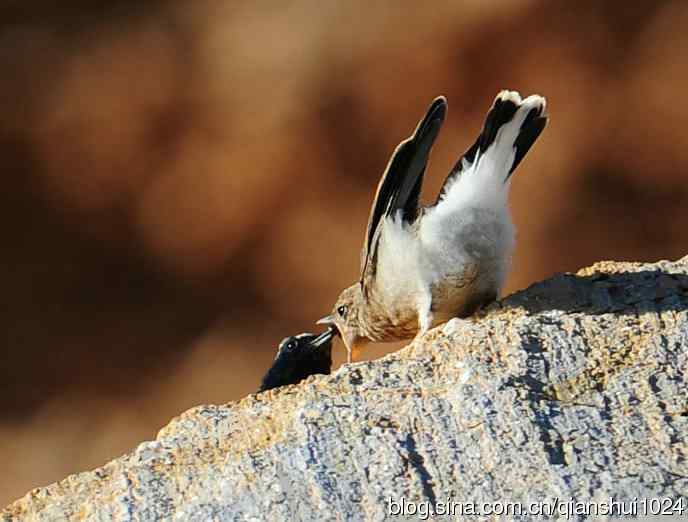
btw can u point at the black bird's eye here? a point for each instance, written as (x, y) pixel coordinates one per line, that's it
(291, 345)
(341, 310)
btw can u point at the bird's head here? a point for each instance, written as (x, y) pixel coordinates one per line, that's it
(298, 357)
(345, 317)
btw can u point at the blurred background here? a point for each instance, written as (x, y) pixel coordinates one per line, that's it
(187, 182)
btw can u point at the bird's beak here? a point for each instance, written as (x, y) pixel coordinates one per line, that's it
(327, 320)
(323, 338)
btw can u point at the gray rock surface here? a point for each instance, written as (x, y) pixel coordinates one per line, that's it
(573, 388)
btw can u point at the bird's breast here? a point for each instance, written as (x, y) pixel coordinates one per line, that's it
(390, 321)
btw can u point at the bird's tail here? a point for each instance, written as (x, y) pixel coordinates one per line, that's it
(511, 127)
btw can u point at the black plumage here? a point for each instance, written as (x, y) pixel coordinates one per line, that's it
(298, 357)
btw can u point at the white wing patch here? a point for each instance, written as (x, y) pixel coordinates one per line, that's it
(482, 182)
(399, 272)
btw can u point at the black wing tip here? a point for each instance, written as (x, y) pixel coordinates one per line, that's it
(503, 110)
(506, 105)
(439, 105)
(526, 138)
(433, 119)
(531, 128)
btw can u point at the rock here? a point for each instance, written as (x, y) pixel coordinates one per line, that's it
(574, 388)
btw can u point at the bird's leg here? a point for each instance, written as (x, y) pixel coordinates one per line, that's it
(425, 315)
(425, 322)
(353, 353)
(424, 325)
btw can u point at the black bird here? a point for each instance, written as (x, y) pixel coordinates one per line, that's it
(298, 357)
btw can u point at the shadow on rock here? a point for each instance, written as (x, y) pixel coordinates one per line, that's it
(603, 292)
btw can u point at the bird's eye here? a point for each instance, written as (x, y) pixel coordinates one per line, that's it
(291, 345)
(341, 310)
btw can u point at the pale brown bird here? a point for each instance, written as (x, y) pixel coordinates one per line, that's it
(421, 266)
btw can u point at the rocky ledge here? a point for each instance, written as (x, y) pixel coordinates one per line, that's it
(574, 388)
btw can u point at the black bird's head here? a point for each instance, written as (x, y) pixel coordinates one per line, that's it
(298, 357)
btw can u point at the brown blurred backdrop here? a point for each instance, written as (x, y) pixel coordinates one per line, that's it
(185, 183)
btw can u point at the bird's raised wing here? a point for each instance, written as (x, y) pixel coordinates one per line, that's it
(512, 125)
(400, 185)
